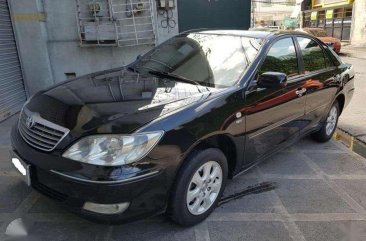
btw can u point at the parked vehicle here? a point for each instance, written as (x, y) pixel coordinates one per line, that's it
(321, 34)
(165, 133)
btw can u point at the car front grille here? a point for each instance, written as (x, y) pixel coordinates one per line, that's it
(40, 133)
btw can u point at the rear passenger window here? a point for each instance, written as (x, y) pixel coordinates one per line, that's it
(312, 54)
(328, 56)
(281, 58)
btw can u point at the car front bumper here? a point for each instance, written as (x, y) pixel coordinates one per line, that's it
(145, 194)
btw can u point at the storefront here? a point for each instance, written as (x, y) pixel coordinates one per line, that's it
(335, 16)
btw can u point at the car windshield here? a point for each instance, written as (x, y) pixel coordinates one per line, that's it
(206, 59)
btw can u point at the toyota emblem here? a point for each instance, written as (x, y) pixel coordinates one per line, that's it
(30, 122)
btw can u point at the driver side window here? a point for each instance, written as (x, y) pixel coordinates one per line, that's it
(281, 58)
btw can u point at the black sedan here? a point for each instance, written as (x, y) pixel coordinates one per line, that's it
(165, 133)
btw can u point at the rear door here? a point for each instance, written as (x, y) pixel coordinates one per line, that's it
(274, 115)
(322, 80)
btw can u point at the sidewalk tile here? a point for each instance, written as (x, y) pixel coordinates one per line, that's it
(338, 163)
(333, 231)
(159, 230)
(356, 189)
(252, 203)
(55, 231)
(5, 164)
(286, 163)
(308, 144)
(13, 191)
(248, 231)
(310, 196)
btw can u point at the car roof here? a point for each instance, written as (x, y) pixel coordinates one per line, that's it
(254, 33)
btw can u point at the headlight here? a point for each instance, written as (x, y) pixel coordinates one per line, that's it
(113, 150)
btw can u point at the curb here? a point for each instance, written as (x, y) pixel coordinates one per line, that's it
(352, 142)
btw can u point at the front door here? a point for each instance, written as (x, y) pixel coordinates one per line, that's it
(274, 115)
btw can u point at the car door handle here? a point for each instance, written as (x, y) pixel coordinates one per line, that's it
(300, 91)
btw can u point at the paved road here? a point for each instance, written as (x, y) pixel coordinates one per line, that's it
(321, 196)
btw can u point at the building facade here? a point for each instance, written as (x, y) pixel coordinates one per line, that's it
(342, 19)
(273, 13)
(43, 42)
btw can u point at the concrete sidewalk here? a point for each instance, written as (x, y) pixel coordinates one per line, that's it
(353, 119)
(353, 52)
(321, 196)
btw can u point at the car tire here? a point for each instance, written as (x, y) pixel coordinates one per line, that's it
(198, 187)
(329, 125)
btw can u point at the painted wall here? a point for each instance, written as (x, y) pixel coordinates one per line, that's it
(214, 14)
(358, 30)
(275, 11)
(49, 46)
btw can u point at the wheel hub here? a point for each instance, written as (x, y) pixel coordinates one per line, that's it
(204, 187)
(331, 121)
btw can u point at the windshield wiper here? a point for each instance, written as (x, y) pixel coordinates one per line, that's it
(173, 76)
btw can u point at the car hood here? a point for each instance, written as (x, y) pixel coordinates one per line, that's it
(115, 101)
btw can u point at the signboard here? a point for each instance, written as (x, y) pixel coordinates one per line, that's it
(329, 14)
(330, 3)
(314, 15)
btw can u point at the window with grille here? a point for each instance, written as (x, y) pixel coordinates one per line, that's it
(115, 22)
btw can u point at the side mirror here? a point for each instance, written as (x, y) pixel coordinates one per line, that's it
(138, 57)
(272, 80)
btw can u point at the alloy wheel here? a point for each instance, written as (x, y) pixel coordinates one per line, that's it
(331, 121)
(204, 187)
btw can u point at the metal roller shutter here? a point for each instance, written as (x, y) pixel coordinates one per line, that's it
(12, 93)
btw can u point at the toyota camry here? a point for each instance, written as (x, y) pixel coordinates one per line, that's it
(165, 133)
